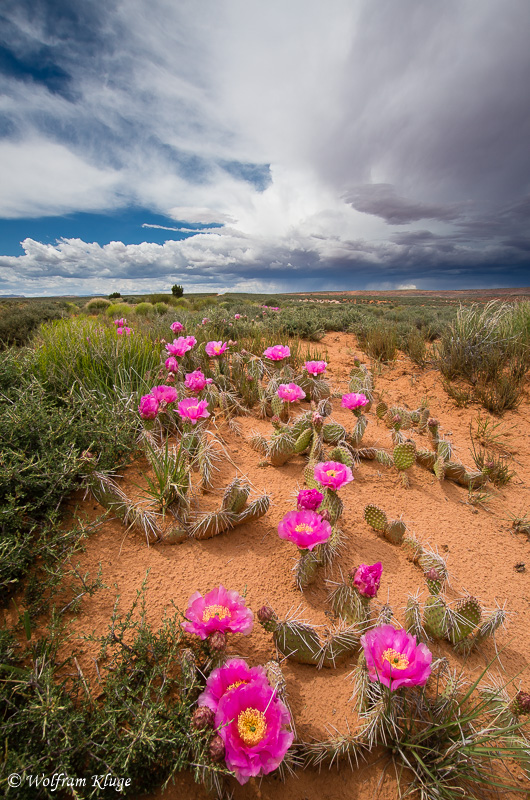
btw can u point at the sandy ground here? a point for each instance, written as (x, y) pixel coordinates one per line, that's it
(479, 545)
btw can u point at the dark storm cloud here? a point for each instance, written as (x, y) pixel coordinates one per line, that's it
(382, 143)
(381, 200)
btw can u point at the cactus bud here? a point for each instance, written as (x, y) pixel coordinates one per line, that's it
(432, 422)
(217, 641)
(434, 581)
(317, 420)
(520, 704)
(217, 748)
(202, 718)
(396, 419)
(266, 614)
(326, 516)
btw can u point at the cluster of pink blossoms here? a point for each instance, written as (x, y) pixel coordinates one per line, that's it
(179, 347)
(251, 720)
(278, 352)
(121, 327)
(290, 392)
(158, 398)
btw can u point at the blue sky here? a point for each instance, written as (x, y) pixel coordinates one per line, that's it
(263, 146)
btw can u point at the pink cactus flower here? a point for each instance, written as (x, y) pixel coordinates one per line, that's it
(305, 529)
(290, 392)
(120, 322)
(354, 401)
(196, 381)
(164, 394)
(177, 326)
(277, 353)
(219, 610)
(148, 408)
(366, 579)
(214, 349)
(181, 345)
(234, 673)
(394, 659)
(124, 331)
(315, 367)
(333, 474)
(171, 364)
(192, 409)
(205, 321)
(309, 499)
(251, 723)
(237, 316)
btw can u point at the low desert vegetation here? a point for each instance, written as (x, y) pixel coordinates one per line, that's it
(84, 395)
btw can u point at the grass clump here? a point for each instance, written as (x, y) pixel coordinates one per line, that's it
(489, 347)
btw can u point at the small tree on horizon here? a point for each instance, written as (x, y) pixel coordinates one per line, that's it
(114, 295)
(176, 290)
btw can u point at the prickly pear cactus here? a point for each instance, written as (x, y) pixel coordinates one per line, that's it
(333, 433)
(309, 475)
(413, 622)
(333, 504)
(381, 409)
(281, 448)
(375, 517)
(434, 581)
(467, 616)
(395, 531)
(359, 430)
(343, 455)
(303, 441)
(404, 457)
(435, 618)
(412, 548)
(349, 605)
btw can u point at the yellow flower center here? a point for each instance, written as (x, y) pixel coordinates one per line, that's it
(332, 473)
(303, 528)
(251, 726)
(215, 611)
(395, 659)
(235, 685)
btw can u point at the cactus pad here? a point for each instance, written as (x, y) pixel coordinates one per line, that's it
(376, 518)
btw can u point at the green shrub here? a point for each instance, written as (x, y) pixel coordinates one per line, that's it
(161, 308)
(117, 310)
(20, 319)
(97, 304)
(144, 309)
(133, 725)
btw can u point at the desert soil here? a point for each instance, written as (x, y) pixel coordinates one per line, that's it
(481, 550)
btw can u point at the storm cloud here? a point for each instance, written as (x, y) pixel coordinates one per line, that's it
(364, 144)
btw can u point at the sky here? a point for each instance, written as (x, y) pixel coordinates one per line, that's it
(263, 146)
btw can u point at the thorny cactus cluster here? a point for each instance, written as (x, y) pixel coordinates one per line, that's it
(386, 717)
